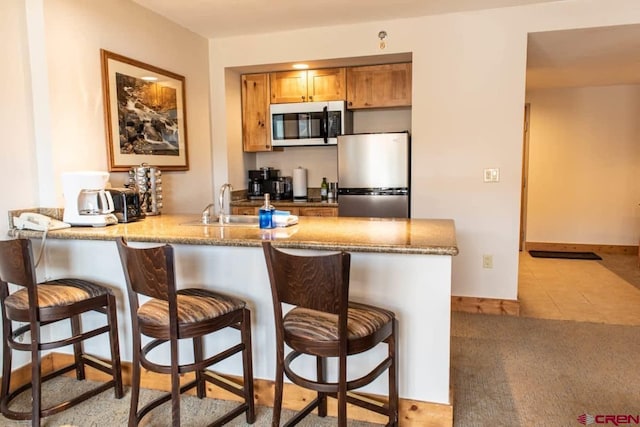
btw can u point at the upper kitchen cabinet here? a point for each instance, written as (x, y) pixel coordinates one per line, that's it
(379, 86)
(326, 84)
(256, 134)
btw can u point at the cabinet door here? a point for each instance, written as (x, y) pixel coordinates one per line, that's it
(379, 86)
(244, 210)
(292, 211)
(288, 86)
(329, 84)
(256, 134)
(318, 212)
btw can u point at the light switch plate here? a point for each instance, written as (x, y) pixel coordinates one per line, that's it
(492, 175)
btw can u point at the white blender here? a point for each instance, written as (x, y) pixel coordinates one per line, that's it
(85, 200)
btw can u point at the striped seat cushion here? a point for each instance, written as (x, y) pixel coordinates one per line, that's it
(194, 305)
(57, 293)
(318, 326)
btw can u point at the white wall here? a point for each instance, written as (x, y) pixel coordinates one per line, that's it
(18, 173)
(75, 31)
(584, 154)
(468, 97)
(51, 106)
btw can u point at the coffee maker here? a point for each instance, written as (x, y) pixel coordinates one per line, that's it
(261, 181)
(282, 188)
(86, 202)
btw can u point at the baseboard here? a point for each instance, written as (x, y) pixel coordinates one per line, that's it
(412, 413)
(485, 305)
(580, 247)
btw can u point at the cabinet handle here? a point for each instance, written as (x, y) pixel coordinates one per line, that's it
(303, 97)
(311, 98)
(350, 103)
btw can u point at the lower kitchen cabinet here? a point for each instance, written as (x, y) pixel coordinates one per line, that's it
(318, 212)
(244, 211)
(300, 211)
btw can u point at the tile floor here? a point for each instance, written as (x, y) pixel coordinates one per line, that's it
(576, 290)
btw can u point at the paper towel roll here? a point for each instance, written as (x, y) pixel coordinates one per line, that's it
(299, 183)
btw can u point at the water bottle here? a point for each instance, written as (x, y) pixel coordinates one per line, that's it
(265, 214)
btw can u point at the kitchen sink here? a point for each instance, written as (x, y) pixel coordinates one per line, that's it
(228, 221)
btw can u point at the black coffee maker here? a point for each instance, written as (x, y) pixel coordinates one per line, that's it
(282, 188)
(262, 181)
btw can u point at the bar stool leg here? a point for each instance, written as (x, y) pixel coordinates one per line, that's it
(116, 366)
(135, 382)
(197, 356)
(6, 351)
(248, 365)
(322, 397)
(393, 375)
(342, 391)
(36, 380)
(77, 348)
(175, 384)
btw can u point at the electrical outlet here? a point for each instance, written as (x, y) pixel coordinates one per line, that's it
(492, 175)
(487, 261)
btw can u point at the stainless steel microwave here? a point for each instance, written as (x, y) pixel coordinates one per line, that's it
(309, 123)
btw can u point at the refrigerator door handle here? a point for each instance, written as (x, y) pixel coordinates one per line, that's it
(325, 124)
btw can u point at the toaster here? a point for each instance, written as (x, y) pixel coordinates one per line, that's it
(126, 204)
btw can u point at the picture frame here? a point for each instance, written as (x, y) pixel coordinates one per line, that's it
(145, 115)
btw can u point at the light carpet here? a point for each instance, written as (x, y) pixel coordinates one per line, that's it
(506, 371)
(514, 371)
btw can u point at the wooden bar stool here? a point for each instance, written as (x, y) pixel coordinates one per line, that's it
(323, 323)
(40, 304)
(171, 315)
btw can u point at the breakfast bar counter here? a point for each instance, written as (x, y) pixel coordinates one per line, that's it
(401, 264)
(417, 236)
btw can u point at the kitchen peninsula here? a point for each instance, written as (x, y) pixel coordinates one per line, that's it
(401, 264)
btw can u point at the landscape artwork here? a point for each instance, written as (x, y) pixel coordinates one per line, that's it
(145, 115)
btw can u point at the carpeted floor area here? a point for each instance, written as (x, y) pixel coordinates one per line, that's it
(506, 371)
(105, 410)
(510, 371)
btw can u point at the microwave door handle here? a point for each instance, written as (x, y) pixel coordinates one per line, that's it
(325, 124)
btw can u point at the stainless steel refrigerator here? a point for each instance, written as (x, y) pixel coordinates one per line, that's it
(374, 175)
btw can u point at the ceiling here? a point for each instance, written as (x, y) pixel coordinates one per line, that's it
(582, 57)
(223, 18)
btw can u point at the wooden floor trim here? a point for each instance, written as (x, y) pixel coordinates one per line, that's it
(412, 413)
(485, 305)
(580, 247)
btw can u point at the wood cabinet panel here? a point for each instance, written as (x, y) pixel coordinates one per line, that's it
(328, 84)
(300, 211)
(243, 210)
(318, 211)
(292, 211)
(288, 86)
(256, 124)
(379, 86)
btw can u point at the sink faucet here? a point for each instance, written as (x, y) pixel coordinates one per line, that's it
(206, 212)
(223, 189)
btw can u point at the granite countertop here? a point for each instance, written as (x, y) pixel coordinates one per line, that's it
(408, 236)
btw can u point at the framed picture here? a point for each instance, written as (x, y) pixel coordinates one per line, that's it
(145, 115)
